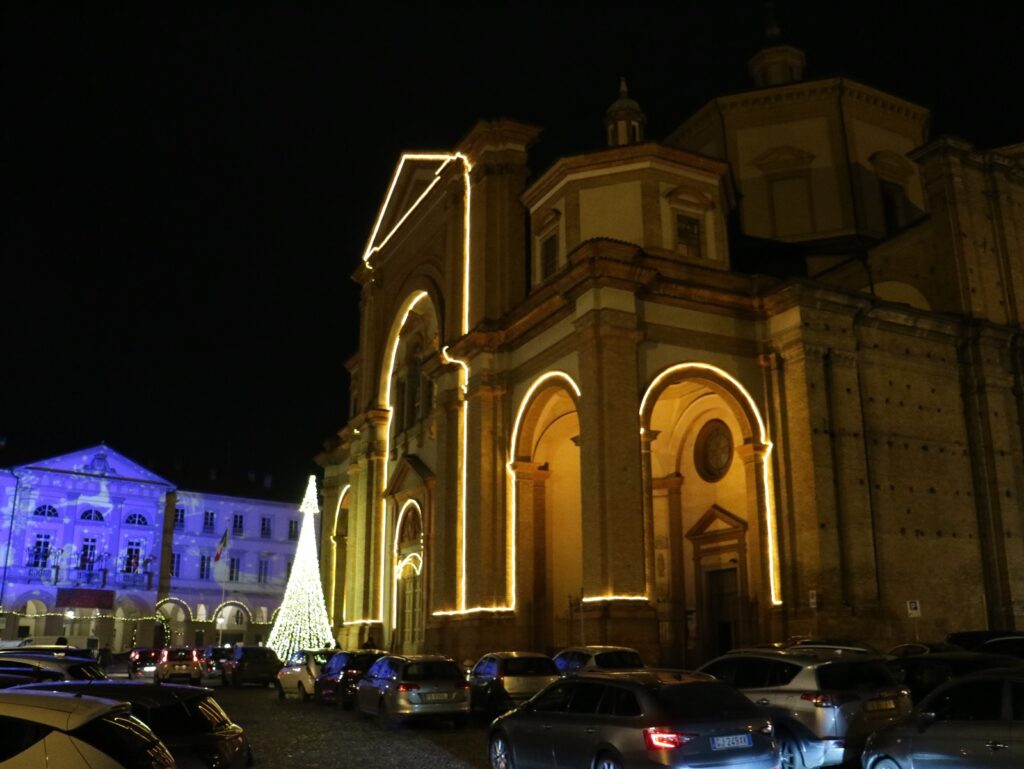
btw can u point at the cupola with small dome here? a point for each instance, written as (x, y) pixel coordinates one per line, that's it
(624, 121)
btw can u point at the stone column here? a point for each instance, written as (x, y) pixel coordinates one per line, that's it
(442, 557)
(530, 535)
(614, 561)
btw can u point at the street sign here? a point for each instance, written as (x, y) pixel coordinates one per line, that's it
(913, 608)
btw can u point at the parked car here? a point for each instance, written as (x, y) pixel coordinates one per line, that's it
(338, 678)
(188, 720)
(300, 671)
(56, 650)
(213, 658)
(179, 662)
(1012, 646)
(18, 677)
(823, 703)
(926, 672)
(970, 640)
(142, 661)
(576, 659)
(502, 680)
(969, 722)
(847, 645)
(642, 718)
(397, 687)
(916, 648)
(250, 665)
(67, 668)
(61, 731)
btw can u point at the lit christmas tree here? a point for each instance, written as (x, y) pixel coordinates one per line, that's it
(302, 620)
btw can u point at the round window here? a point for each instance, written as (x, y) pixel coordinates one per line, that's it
(713, 450)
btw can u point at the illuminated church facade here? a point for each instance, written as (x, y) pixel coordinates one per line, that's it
(761, 379)
(101, 550)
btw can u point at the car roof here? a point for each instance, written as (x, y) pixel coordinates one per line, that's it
(48, 660)
(422, 657)
(958, 656)
(649, 676)
(137, 692)
(59, 711)
(513, 655)
(807, 655)
(597, 649)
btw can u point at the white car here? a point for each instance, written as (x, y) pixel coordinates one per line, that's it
(300, 671)
(72, 731)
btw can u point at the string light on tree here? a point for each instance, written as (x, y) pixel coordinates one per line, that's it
(302, 619)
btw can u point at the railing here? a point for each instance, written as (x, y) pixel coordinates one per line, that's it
(59, 576)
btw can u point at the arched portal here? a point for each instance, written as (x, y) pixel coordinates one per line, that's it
(230, 622)
(408, 611)
(179, 621)
(547, 504)
(705, 464)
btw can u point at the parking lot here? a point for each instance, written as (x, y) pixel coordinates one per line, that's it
(290, 733)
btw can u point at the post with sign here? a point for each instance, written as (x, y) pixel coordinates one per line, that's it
(914, 613)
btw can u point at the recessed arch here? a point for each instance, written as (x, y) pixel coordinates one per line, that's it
(178, 602)
(753, 429)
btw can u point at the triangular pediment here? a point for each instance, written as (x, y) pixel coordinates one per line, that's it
(782, 158)
(414, 176)
(717, 520)
(410, 475)
(99, 461)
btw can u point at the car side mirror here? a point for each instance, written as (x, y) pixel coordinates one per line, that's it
(924, 720)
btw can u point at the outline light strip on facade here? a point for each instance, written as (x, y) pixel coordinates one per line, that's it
(765, 464)
(334, 552)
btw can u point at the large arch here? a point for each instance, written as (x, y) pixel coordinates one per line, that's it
(545, 505)
(707, 480)
(179, 620)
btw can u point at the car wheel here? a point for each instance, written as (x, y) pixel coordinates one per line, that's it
(499, 752)
(303, 694)
(885, 763)
(789, 752)
(607, 761)
(384, 715)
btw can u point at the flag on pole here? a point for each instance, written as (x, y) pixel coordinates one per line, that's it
(220, 546)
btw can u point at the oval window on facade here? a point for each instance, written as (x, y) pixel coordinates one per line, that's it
(713, 450)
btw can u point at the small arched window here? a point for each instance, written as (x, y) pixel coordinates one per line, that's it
(45, 511)
(239, 617)
(136, 520)
(92, 515)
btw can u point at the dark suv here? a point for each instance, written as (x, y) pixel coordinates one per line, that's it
(250, 665)
(337, 680)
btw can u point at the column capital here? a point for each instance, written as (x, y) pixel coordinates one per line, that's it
(752, 452)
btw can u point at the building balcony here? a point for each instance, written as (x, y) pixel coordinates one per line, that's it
(59, 576)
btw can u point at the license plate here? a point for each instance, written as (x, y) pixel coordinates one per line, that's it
(732, 741)
(180, 667)
(435, 696)
(880, 705)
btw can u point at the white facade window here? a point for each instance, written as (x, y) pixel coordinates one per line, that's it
(92, 515)
(45, 511)
(87, 554)
(132, 556)
(39, 554)
(238, 524)
(293, 530)
(209, 521)
(264, 571)
(136, 519)
(175, 564)
(179, 517)
(234, 568)
(266, 527)
(205, 562)
(688, 236)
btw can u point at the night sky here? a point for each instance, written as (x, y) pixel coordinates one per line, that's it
(188, 189)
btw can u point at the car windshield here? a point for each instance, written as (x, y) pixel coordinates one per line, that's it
(179, 655)
(703, 702)
(201, 716)
(854, 676)
(438, 670)
(86, 671)
(530, 666)
(618, 660)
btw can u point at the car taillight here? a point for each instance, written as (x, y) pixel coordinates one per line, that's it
(351, 674)
(195, 656)
(134, 655)
(660, 738)
(403, 687)
(462, 684)
(827, 699)
(163, 656)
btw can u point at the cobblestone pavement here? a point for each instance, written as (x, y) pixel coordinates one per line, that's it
(290, 733)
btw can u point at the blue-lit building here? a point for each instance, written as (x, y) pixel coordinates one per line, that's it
(95, 546)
